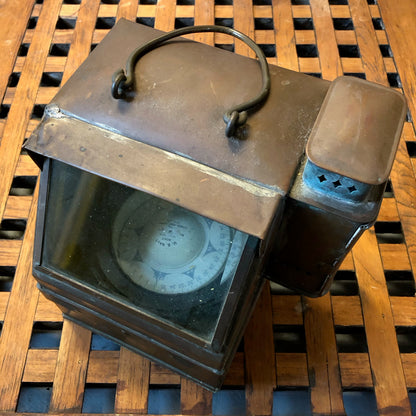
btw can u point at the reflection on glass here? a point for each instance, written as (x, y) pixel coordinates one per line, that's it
(167, 261)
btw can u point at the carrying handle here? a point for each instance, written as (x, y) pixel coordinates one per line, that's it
(233, 118)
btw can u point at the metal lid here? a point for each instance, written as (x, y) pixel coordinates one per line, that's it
(357, 130)
(169, 139)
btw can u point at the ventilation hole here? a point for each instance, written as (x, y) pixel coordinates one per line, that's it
(110, 1)
(147, 21)
(401, 288)
(93, 46)
(371, 1)
(262, 2)
(394, 80)
(303, 24)
(164, 400)
(385, 51)
(185, 2)
(23, 185)
(314, 74)
(12, 229)
(99, 398)
(224, 22)
(344, 284)
(46, 335)
(268, 50)
(13, 79)
(105, 22)
(224, 2)
(263, 24)
(229, 48)
(351, 339)
(343, 24)
(289, 338)
(100, 343)
(345, 275)
(348, 51)
(4, 111)
(338, 2)
(51, 79)
(72, 1)
(31, 24)
(300, 2)
(65, 23)
(352, 189)
(23, 49)
(183, 22)
(59, 49)
(148, 1)
(6, 278)
(337, 184)
(355, 74)
(378, 24)
(389, 232)
(406, 338)
(411, 148)
(34, 398)
(322, 178)
(400, 283)
(38, 110)
(389, 193)
(307, 51)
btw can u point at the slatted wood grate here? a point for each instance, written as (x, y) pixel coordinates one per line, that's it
(360, 338)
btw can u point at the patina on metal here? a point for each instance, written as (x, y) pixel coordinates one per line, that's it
(297, 183)
(233, 118)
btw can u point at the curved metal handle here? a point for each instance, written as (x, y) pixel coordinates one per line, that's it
(236, 116)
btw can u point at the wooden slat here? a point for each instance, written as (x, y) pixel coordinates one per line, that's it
(355, 370)
(347, 311)
(195, 400)
(323, 365)
(47, 311)
(127, 9)
(165, 15)
(24, 99)
(399, 19)
(259, 357)
(18, 322)
(103, 367)
(387, 370)
(303, 37)
(394, 257)
(9, 252)
(287, 310)
(72, 364)
(13, 21)
(324, 373)
(388, 210)
(404, 186)
(40, 366)
(244, 22)
(285, 35)
(325, 39)
(71, 369)
(292, 370)
(17, 207)
(4, 300)
(132, 383)
(204, 15)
